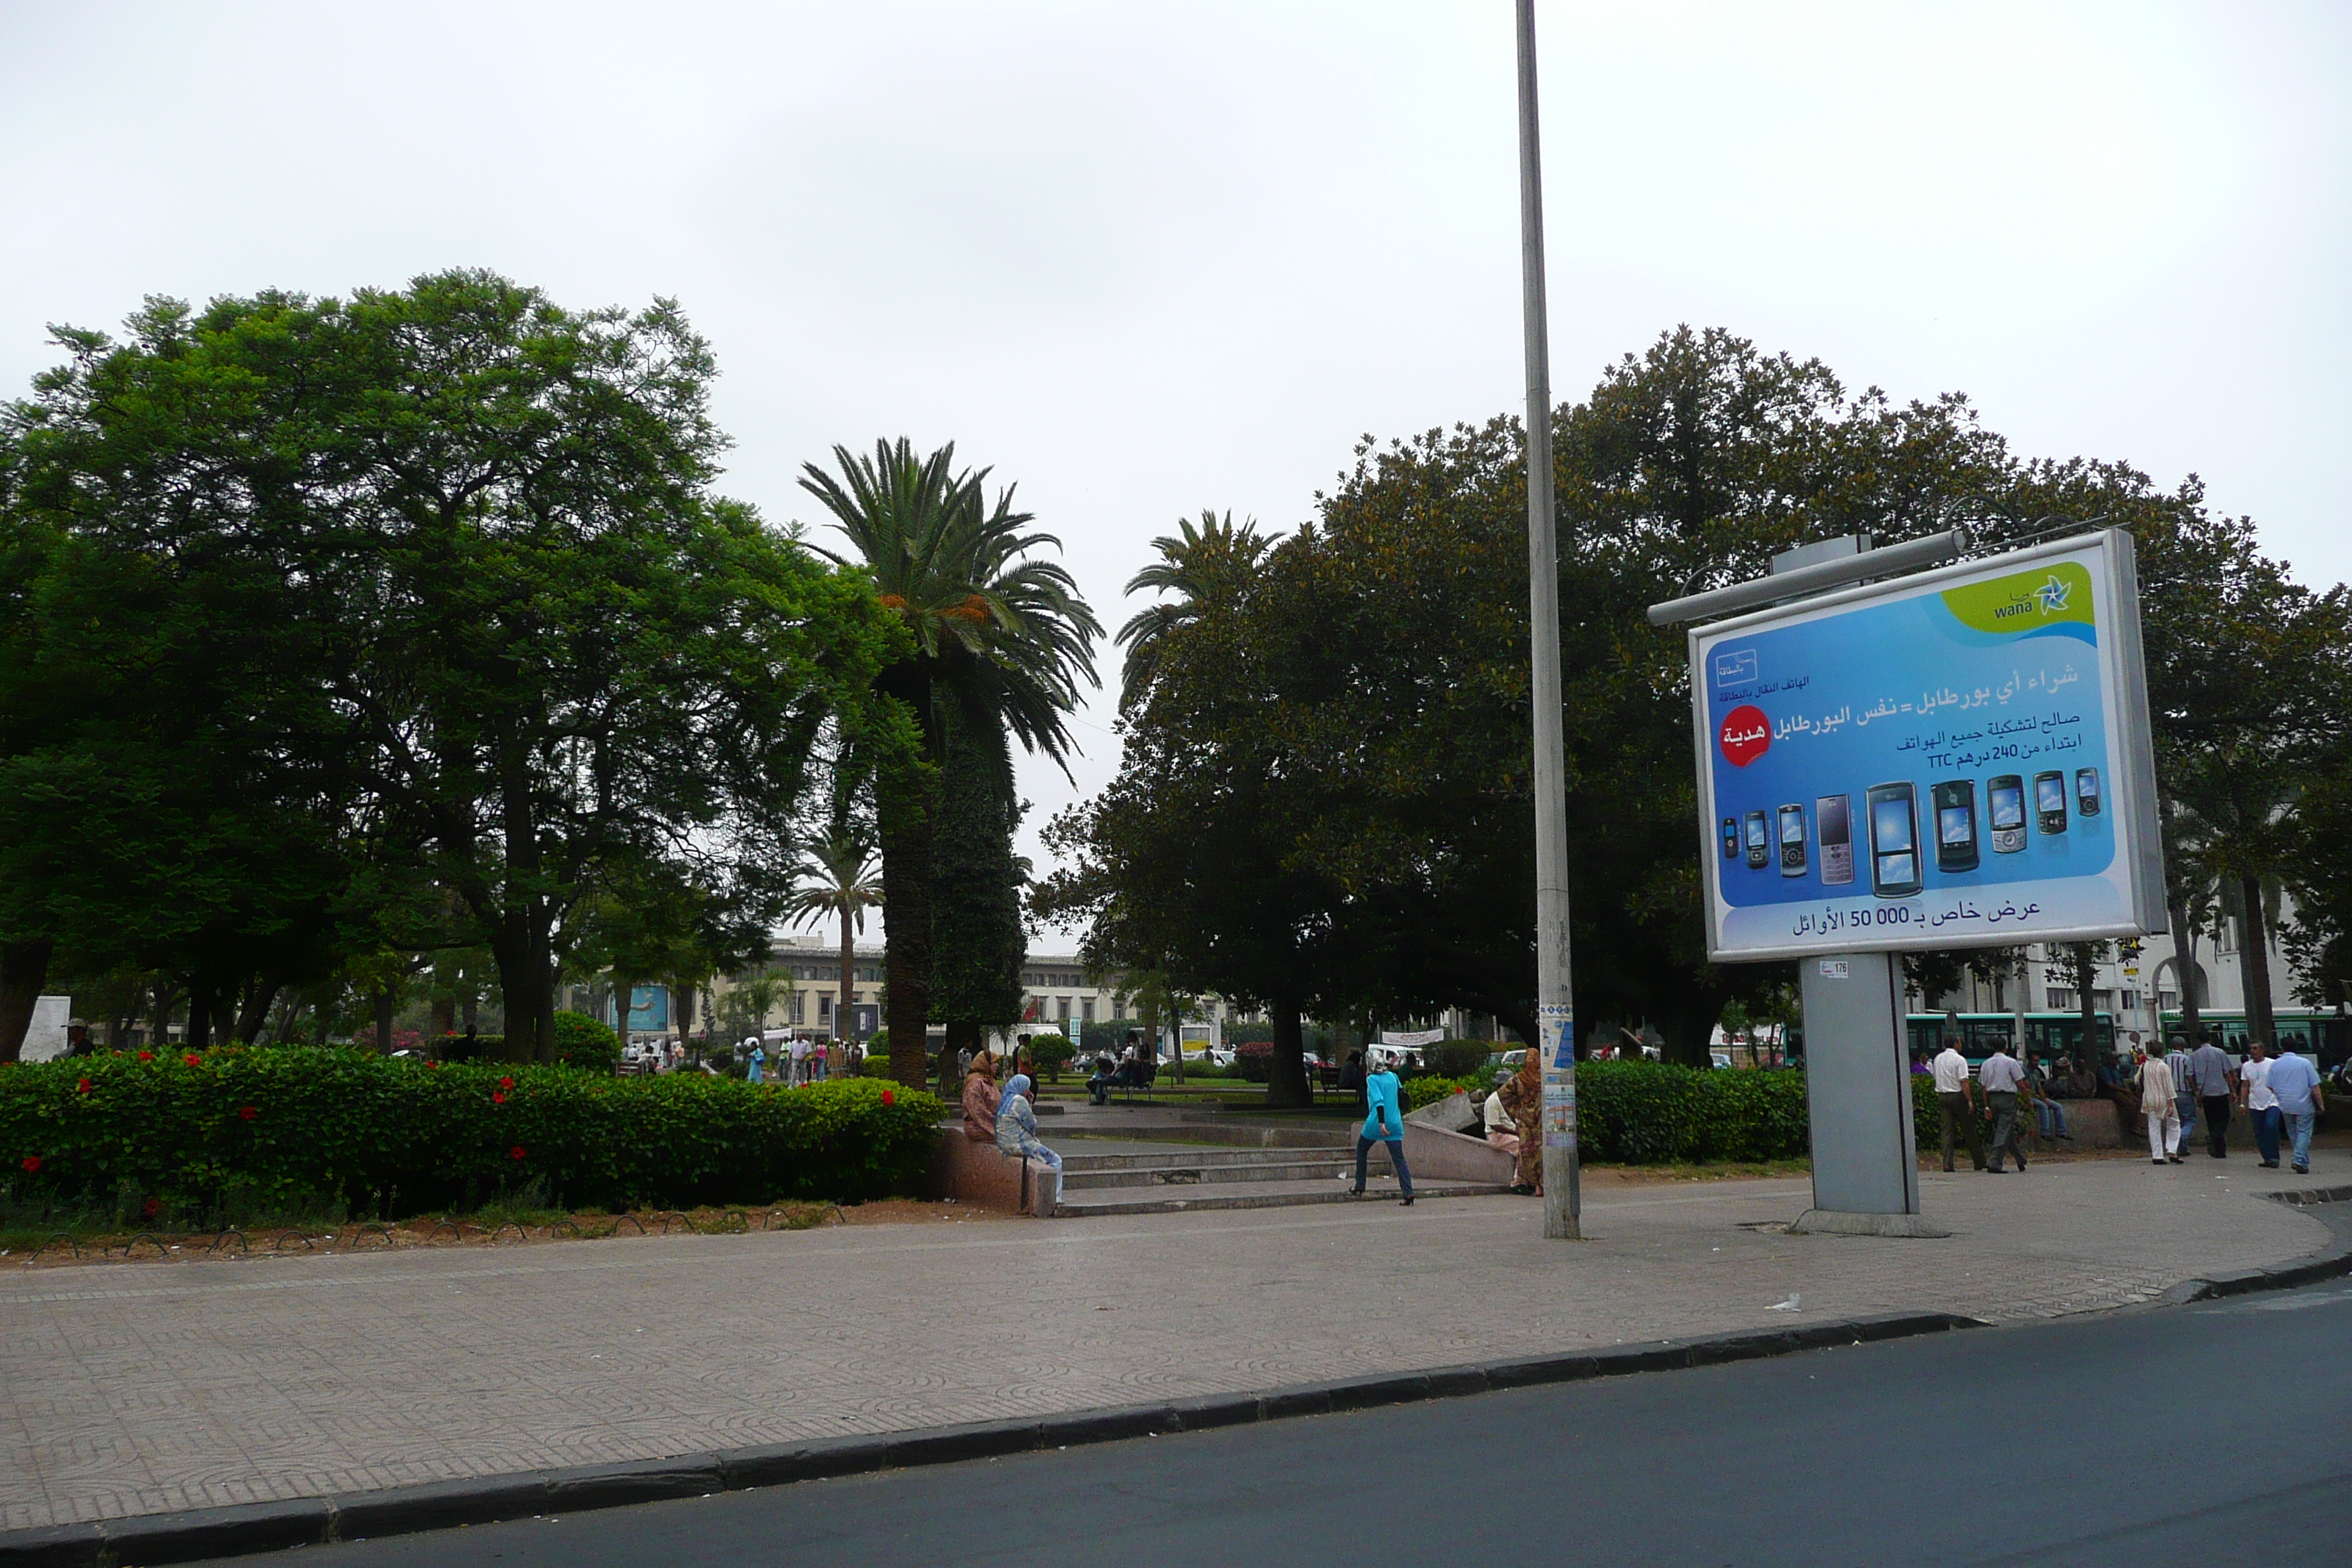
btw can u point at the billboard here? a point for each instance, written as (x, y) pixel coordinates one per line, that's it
(1957, 758)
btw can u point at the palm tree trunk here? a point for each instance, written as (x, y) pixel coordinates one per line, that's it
(843, 1025)
(2260, 1023)
(905, 830)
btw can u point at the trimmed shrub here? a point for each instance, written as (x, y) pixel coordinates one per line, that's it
(1641, 1114)
(581, 1042)
(398, 1136)
(1428, 1088)
(1052, 1052)
(1254, 1060)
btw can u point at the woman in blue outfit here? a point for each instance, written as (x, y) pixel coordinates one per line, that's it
(1385, 1122)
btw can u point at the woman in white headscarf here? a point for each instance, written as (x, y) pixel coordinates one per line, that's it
(1016, 1137)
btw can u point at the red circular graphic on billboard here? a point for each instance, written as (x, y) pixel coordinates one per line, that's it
(1745, 734)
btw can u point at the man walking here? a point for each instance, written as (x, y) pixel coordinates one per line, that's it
(1956, 1100)
(2184, 1086)
(2294, 1082)
(2260, 1104)
(2001, 1076)
(2157, 1103)
(2209, 1069)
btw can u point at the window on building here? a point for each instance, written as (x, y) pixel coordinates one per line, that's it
(1063, 1004)
(824, 1007)
(1086, 1009)
(2167, 1000)
(2062, 999)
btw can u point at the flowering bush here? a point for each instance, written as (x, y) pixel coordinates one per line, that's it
(400, 1136)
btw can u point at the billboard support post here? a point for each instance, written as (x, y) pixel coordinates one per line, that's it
(1865, 1161)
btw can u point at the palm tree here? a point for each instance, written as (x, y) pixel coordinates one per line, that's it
(838, 874)
(1199, 565)
(1004, 637)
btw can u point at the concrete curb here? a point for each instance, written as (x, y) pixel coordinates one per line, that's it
(2329, 1262)
(200, 1534)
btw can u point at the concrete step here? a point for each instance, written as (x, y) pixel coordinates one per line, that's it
(1254, 1196)
(1233, 1135)
(1207, 1178)
(1077, 1157)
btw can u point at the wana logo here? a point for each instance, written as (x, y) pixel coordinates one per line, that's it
(1733, 666)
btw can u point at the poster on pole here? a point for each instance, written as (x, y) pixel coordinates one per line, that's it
(1958, 758)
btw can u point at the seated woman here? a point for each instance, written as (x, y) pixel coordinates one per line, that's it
(1501, 1131)
(980, 1096)
(1100, 1085)
(1016, 1136)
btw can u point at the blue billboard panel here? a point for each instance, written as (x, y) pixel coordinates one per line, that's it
(1957, 759)
(648, 1008)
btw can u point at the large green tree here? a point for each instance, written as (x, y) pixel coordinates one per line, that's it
(529, 652)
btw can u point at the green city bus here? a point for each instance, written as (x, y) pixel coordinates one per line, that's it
(2047, 1035)
(2326, 1036)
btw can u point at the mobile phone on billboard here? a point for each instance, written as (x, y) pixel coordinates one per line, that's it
(1731, 838)
(2086, 791)
(1793, 841)
(1834, 826)
(1760, 852)
(2005, 812)
(1894, 810)
(1956, 824)
(2050, 802)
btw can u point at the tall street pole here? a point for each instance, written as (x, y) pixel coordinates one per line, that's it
(1555, 1010)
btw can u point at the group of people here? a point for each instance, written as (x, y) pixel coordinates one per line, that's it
(2173, 1091)
(1007, 1117)
(2279, 1092)
(2006, 1085)
(803, 1060)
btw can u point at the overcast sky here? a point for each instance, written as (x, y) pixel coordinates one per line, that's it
(1146, 259)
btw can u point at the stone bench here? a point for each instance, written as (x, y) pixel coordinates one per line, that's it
(1441, 1145)
(976, 1173)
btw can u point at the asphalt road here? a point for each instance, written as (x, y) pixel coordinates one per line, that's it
(2210, 1435)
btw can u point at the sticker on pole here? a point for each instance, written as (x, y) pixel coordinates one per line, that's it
(1557, 1044)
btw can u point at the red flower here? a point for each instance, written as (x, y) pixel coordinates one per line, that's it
(32, 1161)
(247, 1112)
(505, 1083)
(433, 1064)
(146, 1056)
(152, 1207)
(190, 1059)
(82, 1087)
(498, 1098)
(889, 1098)
(515, 1153)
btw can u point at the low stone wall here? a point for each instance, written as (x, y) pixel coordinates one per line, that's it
(975, 1173)
(1439, 1148)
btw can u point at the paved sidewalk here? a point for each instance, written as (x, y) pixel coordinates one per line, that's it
(129, 1390)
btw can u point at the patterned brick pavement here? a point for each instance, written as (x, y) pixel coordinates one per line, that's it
(130, 1390)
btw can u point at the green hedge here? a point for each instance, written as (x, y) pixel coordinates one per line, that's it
(397, 1136)
(1644, 1113)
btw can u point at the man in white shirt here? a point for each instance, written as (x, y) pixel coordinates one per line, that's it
(2000, 1077)
(2261, 1105)
(799, 1060)
(1955, 1100)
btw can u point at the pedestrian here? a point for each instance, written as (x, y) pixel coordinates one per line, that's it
(2296, 1082)
(2209, 1070)
(2000, 1078)
(2184, 1085)
(758, 1057)
(1956, 1101)
(2049, 1116)
(2260, 1104)
(1385, 1122)
(800, 1048)
(816, 1061)
(1016, 1137)
(2157, 1103)
(1522, 1098)
(979, 1098)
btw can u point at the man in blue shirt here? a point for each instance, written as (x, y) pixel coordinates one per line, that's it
(1385, 1122)
(2296, 1082)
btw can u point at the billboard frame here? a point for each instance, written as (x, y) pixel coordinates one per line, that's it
(2134, 784)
